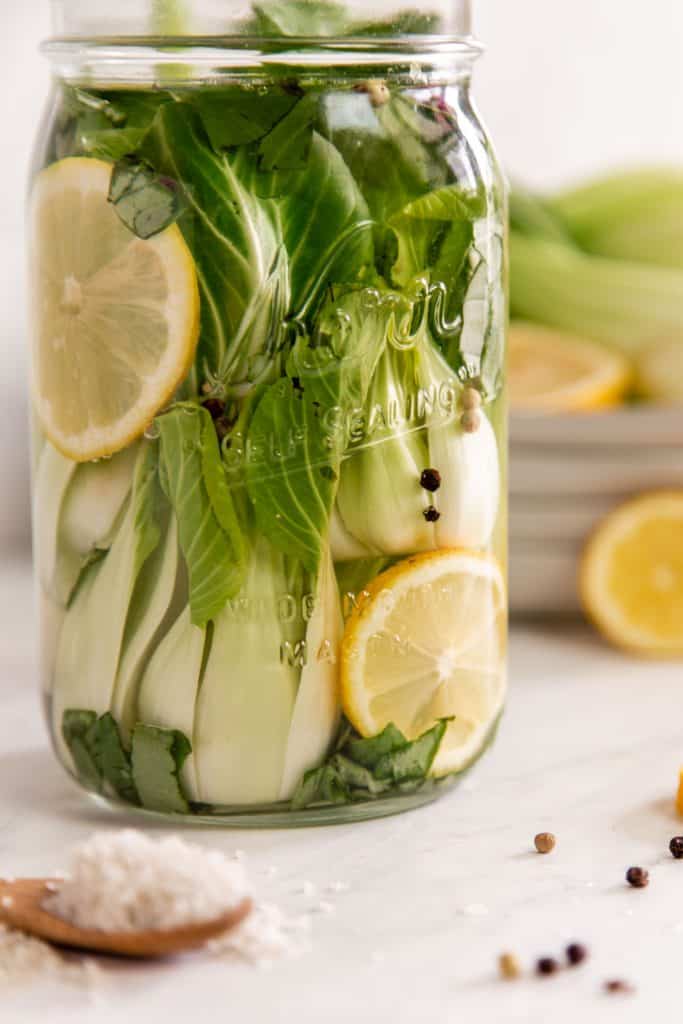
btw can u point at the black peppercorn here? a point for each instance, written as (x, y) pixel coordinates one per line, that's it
(547, 965)
(430, 479)
(214, 407)
(637, 877)
(576, 953)
(431, 514)
(676, 847)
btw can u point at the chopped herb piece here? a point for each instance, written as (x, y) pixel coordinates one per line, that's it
(236, 116)
(288, 145)
(76, 730)
(146, 202)
(369, 752)
(158, 756)
(112, 760)
(414, 760)
(364, 769)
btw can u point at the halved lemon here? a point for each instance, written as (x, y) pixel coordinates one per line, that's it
(115, 318)
(555, 372)
(428, 642)
(631, 578)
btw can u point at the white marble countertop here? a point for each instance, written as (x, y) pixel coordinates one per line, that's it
(589, 749)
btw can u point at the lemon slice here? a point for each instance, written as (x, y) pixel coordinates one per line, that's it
(555, 372)
(428, 642)
(115, 318)
(631, 578)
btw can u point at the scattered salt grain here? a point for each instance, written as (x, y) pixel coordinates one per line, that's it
(126, 881)
(7, 901)
(267, 934)
(325, 907)
(24, 959)
(306, 888)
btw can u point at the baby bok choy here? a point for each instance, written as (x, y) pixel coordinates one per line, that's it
(412, 421)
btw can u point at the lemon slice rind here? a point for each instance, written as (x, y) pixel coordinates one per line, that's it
(553, 372)
(166, 306)
(452, 607)
(631, 575)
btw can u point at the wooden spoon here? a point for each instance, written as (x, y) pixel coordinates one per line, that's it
(21, 907)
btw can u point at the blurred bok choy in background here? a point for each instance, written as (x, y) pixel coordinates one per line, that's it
(604, 263)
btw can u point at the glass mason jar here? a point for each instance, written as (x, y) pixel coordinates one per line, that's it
(267, 252)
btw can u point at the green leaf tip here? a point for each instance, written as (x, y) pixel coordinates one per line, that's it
(157, 758)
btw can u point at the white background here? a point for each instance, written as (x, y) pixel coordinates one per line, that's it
(566, 88)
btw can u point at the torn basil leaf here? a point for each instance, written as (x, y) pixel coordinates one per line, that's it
(288, 145)
(158, 756)
(364, 769)
(112, 760)
(236, 116)
(423, 227)
(77, 731)
(369, 752)
(111, 125)
(413, 761)
(146, 202)
(99, 756)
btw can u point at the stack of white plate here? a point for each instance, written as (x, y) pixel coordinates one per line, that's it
(566, 474)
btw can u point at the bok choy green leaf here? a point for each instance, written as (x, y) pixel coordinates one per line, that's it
(193, 478)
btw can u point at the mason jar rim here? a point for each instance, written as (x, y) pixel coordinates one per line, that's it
(220, 18)
(126, 58)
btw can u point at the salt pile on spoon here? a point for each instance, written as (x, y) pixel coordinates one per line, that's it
(125, 881)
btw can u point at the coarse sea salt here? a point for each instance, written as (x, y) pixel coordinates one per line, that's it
(24, 959)
(266, 935)
(125, 881)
